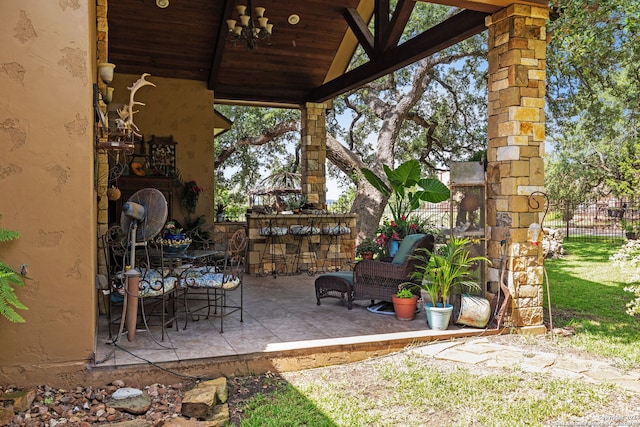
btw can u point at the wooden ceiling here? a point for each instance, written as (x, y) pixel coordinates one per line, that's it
(306, 62)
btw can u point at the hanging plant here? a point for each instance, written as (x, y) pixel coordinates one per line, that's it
(190, 194)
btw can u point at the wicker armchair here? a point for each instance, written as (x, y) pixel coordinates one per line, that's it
(374, 280)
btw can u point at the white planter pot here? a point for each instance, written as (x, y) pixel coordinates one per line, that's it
(438, 317)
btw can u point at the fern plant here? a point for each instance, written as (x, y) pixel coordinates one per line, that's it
(8, 279)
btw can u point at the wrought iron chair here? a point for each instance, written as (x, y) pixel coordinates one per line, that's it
(336, 228)
(304, 236)
(374, 280)
(274, 255)
(156, 287)
(217, 280)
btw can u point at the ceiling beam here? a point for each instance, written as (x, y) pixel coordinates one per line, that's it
(455, 29)
(489, 6)
(216, 60)
(401, 16)
(381, 16)
(360, 30)
(387, 33)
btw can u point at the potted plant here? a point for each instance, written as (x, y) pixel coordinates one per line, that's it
(406, 191)
(220, 212)
(294, 204)
(439, 271)
(367, 249)
(404, 304)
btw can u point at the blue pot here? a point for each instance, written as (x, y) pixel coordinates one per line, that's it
(179, 236)
(393, 247)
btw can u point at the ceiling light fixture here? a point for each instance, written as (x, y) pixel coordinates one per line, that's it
(162, 3)
(245, 30)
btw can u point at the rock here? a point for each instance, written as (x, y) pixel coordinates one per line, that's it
(552, 243)
(21, 400)
(136, 405)
(117, 383)
(183, 422)
(125, 393)
(219, 415)
(132, 423)
(6, 415)
(200, 400)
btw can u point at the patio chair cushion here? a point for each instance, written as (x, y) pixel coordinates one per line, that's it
(304, 230)
(151, 283)
(205, 278)
(273, 231)
(336, 231)
(344, 275)
(405, 248)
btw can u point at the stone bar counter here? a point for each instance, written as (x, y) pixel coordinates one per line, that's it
(294, 243)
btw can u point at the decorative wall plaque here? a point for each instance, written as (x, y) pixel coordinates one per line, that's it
(162, 155)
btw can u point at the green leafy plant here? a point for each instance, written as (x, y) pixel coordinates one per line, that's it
(404, 293)
(438, 271)
(406, 189)
(296, 202)
(8, 279)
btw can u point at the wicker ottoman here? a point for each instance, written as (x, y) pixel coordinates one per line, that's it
(335, 285)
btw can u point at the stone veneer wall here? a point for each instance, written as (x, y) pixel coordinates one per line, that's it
(517, 62)
(102, 158)
(314, 153)
(330, 252)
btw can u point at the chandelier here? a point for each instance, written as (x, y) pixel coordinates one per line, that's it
(245, 30)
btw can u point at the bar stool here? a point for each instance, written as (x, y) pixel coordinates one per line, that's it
(274, 254)
(335, 228)
(304, 234)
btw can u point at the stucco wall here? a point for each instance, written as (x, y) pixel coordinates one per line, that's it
(47, 64)
(184, 109)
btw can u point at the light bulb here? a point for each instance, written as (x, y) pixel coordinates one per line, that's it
(534, 233)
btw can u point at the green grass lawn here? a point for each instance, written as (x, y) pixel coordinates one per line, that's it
(587, 294)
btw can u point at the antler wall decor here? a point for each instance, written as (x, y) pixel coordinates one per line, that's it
(125, 122)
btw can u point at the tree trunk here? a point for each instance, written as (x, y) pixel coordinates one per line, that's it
(368, 203)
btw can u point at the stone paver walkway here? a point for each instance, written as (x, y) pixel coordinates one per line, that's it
(481, 351)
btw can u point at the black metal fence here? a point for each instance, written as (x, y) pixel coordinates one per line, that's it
(592, 220)
(607, 220)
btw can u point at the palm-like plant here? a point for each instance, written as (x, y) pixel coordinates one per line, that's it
(438, 271)
(8, 279)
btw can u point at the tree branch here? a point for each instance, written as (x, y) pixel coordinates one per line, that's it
(267, 136)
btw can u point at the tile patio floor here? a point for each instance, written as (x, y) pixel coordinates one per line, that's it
(279, 314)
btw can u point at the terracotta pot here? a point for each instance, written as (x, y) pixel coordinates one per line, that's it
(367, 255)
(405, 308)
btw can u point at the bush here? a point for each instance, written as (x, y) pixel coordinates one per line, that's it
(628, 257)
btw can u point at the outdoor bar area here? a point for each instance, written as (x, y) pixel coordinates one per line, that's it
(289, 235)
(295, 243)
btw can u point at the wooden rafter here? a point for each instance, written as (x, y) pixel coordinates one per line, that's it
(455, 29)
(360, 30)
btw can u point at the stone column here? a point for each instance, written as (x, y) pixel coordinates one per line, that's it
(314, 153)
(517, 62)
(102, 164)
